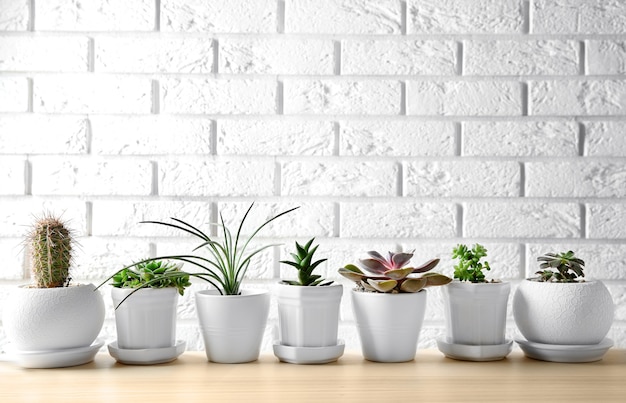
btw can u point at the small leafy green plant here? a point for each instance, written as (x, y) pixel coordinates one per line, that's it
(470, 268)
(152, 274)
(304, 264)
(388, 275)
(562, 267)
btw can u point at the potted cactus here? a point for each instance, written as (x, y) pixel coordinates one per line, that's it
(145, 297)
(232, 319)
(562, 316)
(52, 322)
(308, 312)
(389, 304)
(475, 309)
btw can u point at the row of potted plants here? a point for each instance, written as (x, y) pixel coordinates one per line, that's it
(53, 323)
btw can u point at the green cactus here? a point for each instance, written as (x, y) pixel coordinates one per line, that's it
(50, 243)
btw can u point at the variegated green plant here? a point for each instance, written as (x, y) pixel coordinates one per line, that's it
(391, 276)
(562, 267)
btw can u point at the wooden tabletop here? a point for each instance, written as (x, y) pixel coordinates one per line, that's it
(429, 378)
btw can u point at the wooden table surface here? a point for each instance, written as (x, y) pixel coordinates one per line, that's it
(429, 378)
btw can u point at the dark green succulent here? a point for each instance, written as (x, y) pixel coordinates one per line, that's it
(303, 262)
(470, 268)
(152, 274)
(563, 267)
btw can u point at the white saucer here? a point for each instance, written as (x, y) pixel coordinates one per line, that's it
(309, 355)
(490, 352)
(147, 356)
(563, 352)
(68, 357)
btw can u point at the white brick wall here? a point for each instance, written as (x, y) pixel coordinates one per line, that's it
(395, 124)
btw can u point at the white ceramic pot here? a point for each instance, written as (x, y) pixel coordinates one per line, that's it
(147, 319)
(476, 312)
(389, 324)
(37, 319)
(232, 326)
(308, 316)
(563, 313)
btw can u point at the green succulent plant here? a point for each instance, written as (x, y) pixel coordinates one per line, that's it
(152, 274)
(562, 267)
(50, 243)
(390, 275)
(470, 268)
(304, 264)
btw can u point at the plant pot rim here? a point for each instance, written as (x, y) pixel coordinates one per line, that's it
(458, 283)
(355, 291)
(72, 286)
(309, 287)
(534, 280)
(245, 293)
(142, 290)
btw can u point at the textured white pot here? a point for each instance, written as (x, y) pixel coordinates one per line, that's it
(308, 316)
(389, 324)
(37, 319)
(232, 326)
(563, 313)
(476, 312)
(147, 319)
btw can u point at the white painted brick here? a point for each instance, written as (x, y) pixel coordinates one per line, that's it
(331, 96)
(92, 94)
(461, 16)
(521, 220)
(504, 58)
(43, 134)
(575, 179)
(543, 138)
(310, 178)
(13, 94)
(397, 138)
(618, 335)
(500, 98)
(606, 221)
(14, 15)
(156, 54)
(145, 135)
(99, 258)
(246, 16)
(95, 15)
(561, 97)
(120, 218)
(398, 220)
(578, 16)
(605, 139)
(275, 137)
(216, 177)
(276, 56)
(13, 256)
(220, 96)
(618, 292)
(20, 213)
(51, 176)
(602, 261)
(12, 175)
(311, 219)
(462, 179)
(30, 53)
(606, 57)
(414, 57)
(343, 16)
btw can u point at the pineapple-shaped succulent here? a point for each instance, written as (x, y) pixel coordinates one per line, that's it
(303, 262)
(50, 243)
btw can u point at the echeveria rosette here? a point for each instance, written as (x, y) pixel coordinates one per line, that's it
(390, 275)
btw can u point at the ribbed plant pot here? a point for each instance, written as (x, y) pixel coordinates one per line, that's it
(42, 319)
(232, 326)
(563, 313)
(147, 319)
(389, 324)
(308, 316)
(476, 312)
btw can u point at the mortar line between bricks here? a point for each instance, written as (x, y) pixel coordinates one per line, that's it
(583, 220)
(527, 15)
(404, 18)
(459, 220)
(89, 217)
(582, 134)
(583, 58)
(91, 55)
(277, 178)
(337, 222)
(522, 179)
(157, 15)
(31, 12)
(458, 139)
(28, 177)
(522, 254)
(400, 180)
(31, 95)
(280, 17)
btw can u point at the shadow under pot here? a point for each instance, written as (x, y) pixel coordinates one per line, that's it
(232, 326)
(146, 319)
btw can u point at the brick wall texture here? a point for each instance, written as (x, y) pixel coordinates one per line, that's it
(395, 124)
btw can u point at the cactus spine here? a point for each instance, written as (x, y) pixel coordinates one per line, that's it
(50, 244)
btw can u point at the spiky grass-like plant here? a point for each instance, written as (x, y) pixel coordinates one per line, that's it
(50, 243)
